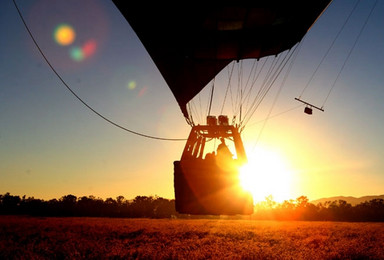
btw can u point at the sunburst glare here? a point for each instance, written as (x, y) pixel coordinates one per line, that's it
(267, 173)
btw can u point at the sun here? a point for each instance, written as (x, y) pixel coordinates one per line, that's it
(267, 173)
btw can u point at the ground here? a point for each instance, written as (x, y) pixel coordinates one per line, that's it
(84, 238)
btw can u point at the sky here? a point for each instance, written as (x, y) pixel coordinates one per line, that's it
(52, 145)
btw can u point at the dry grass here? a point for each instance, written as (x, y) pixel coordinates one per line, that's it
(87, 238)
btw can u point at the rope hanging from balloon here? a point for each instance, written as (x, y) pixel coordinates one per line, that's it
(345, 60)
(350, 52)
(78, 97)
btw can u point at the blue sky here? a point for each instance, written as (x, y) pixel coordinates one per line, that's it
(52, 145)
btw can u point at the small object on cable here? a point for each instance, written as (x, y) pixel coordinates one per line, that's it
(308, 108)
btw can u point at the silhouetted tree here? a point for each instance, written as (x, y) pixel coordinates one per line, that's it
(33, 206)
(157, 207)
(68, 205)
(120, 200)
(372, 210)
(9, 204)
(340, 210)
(142, 207)
(163, 208)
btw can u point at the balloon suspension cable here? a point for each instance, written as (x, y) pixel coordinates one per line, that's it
(211, 98)
(330, 47)
(350, 51)
(78, 97)
(189, 119)
(189, 122)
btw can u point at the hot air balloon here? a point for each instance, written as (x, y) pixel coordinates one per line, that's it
(190, 43)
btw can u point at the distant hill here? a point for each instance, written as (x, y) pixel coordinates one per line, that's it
(352, 200)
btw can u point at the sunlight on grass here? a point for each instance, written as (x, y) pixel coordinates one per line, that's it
(111, 238)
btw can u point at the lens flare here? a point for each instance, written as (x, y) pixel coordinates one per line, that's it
(132, 85)
(143, 91)
(64, 34)
(81, 53)
(89, 48)
(76, 53)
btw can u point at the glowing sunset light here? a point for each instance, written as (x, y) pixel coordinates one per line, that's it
(266, 174)
(64, 34)
(51, 145)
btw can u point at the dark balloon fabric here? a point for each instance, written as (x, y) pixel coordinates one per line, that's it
(191, 42)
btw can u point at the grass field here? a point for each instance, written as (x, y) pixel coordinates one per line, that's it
(87, 238)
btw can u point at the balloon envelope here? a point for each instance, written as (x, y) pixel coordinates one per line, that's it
(192, 42)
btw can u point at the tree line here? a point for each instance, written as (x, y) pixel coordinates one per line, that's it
(302, 209)
(70, 205)
(158, 207)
